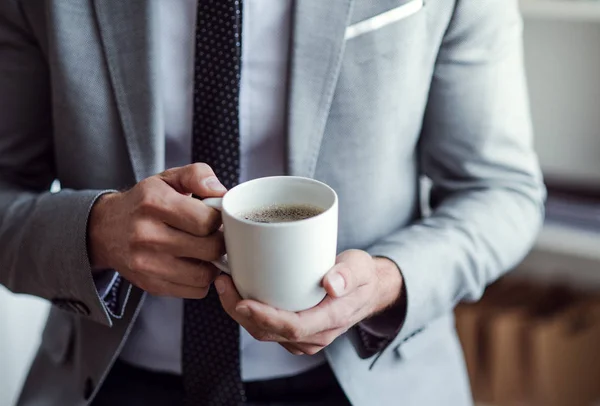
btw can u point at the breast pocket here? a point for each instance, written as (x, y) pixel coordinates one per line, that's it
(388, 32)
(386, 18)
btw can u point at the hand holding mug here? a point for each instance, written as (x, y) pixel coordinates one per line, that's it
(157, 236)
(287, 285)
(357, 287)
(280, 263)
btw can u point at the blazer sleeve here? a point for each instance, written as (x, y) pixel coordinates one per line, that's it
(43, 235)
(476, 147)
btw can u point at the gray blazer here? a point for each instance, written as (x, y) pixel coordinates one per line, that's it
(437, 92)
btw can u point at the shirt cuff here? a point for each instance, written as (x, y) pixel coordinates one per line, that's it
(113, 292)
(104, 282)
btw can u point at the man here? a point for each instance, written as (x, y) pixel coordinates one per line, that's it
(366, 95)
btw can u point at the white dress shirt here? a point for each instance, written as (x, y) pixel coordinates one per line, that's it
(155, 341)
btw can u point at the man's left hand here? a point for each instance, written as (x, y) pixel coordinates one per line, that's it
(358, 287)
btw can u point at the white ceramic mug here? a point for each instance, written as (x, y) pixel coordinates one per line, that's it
(280, 264)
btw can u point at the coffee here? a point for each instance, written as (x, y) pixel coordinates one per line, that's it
(282, 213)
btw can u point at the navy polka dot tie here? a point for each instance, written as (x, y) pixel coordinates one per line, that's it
(210, 348)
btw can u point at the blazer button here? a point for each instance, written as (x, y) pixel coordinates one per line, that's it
(81, 308)
(74, 306)
(61, 304)
(88, 388)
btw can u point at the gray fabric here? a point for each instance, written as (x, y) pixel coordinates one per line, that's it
(440, 93)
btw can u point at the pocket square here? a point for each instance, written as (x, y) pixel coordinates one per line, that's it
(383, 19)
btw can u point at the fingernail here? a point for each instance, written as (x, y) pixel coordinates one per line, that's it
(338, 284)
(220, 286)
(243, 310)
(213, 184)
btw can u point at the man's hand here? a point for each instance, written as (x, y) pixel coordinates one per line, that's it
(358, 286)
(157, 236)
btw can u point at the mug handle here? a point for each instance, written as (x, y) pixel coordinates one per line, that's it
(222, 264)
(214, 203)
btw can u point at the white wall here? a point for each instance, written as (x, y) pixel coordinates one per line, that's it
(563, 71)
(21, 323)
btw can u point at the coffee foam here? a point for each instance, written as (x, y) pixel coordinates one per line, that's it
(282, 213)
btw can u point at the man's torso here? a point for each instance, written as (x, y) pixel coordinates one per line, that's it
(355, 111)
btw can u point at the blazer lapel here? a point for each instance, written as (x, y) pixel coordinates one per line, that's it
(317, 49)
(126, 29)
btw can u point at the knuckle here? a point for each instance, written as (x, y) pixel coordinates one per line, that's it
(150, 202)
(201, 280)
(260, 335)
(293, 333)
(144, 185)
(200, 170)
(137, 263)
(153, 288)
(339, 318)
(152, 197)
(293, 351)
(328, 339)
(208, 221)
(323, 342)
(344, 321)
(313, 350)
(213, 255)
(198, 222)
(206, 276)
(136, 279)
(215, 248)
(201, 167)
(168, 199)
(202, 293)
(141, 234)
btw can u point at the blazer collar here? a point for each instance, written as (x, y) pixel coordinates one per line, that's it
(316, 57)
(128, 30)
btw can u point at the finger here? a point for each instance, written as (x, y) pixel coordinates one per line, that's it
(184, 245)
(229, 296)
(352, 270)
(339, 281)
(158, 287)
(308, 349)
(190, 215)
(194, 273)
(198, 179)
(179, 271)
(230, 300)
(292, 348)
(324, 338)
(294, 327)
(331, 316)
(159, 200)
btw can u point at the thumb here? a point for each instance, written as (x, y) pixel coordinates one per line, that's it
(198, 179)
(227, 294)
(340, 281)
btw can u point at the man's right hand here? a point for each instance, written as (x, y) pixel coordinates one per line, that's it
(157, 236)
